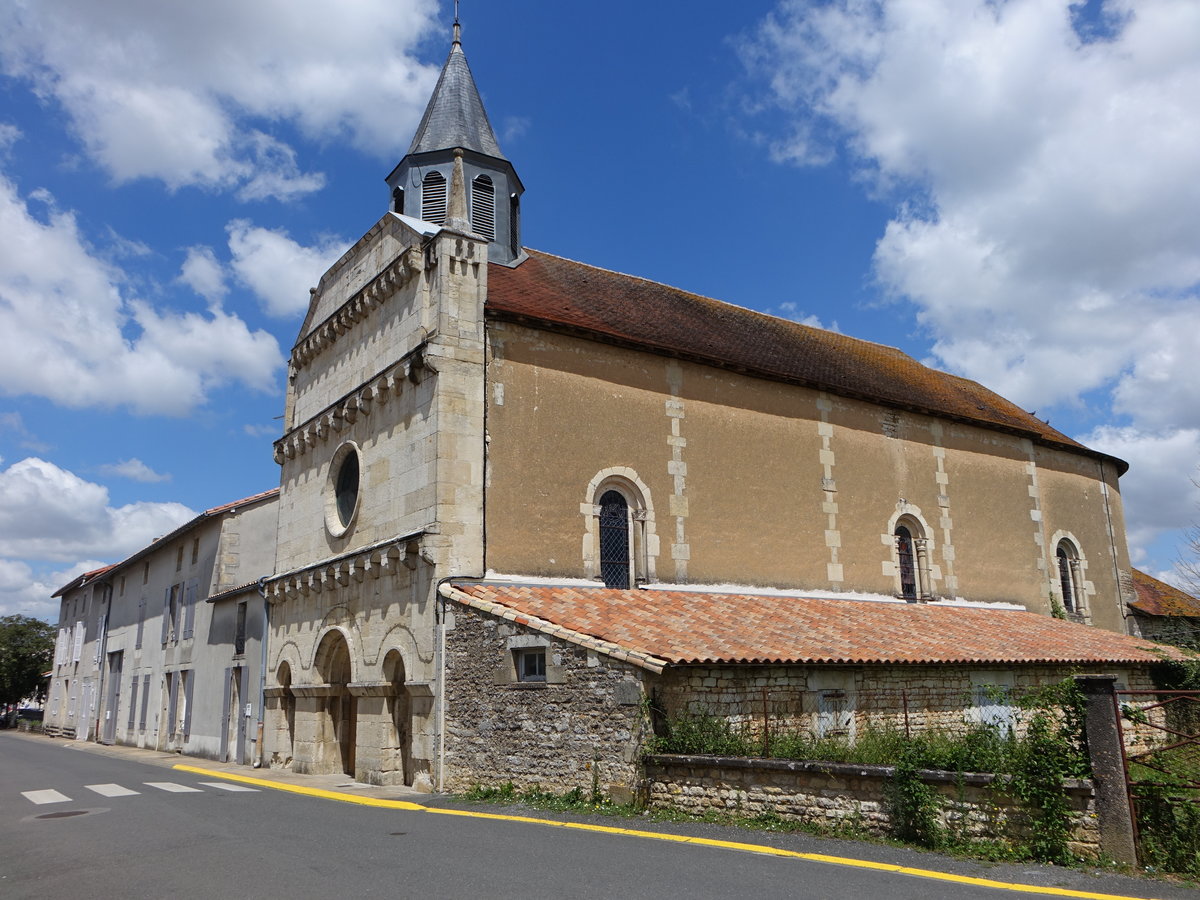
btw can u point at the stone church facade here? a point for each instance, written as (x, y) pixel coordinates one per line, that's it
(461, 409)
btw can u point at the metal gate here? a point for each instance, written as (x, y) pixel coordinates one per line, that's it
(1160, 738)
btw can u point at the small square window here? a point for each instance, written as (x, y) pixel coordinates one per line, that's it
(531, 664)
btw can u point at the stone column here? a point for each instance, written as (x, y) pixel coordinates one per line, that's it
(1117, 836)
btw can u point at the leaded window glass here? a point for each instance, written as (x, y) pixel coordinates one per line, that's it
(614, 540)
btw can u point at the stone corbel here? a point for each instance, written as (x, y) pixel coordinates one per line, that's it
(316, 690)
(419, 688)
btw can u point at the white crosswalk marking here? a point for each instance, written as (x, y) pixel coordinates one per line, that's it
(226, 786)
(40, 797)
(173, 788)
(111, 790)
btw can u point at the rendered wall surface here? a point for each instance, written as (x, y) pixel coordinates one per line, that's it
(762, 483)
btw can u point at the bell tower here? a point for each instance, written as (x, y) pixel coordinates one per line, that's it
(456, 120)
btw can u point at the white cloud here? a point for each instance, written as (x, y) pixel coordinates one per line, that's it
(48, 513)
(1055, 180)
(26, 592)
(169, 93)
(14, 424)
(203, 274)
(135, 470)
(9, 135)
(102, 348)
(279, 270)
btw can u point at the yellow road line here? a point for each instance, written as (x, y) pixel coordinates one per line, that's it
(761, 849)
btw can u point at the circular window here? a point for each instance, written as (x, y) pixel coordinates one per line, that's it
(341, 502)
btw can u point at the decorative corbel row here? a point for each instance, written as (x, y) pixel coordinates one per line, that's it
(374, 563)
(394, 276)
(385, 386)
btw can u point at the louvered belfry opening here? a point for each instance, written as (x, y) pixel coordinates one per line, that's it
(433, 198)
(614, 540)
(483, 207)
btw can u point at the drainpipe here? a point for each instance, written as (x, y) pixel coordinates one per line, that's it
(440, 717)
(262, 674)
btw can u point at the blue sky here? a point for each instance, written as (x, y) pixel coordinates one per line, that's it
(1009, 190)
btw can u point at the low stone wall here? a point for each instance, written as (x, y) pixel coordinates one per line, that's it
(842, 794)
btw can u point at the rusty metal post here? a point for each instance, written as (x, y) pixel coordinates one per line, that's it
(1117, 839)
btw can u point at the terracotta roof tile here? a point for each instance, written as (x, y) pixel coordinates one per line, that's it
(1157, 598)
(560, 293)
(685, 627)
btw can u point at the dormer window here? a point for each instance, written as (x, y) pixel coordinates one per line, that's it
(483, 207)
(433, 198)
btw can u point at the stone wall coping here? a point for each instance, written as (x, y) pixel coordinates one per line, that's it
(935, 776)
(387, 555)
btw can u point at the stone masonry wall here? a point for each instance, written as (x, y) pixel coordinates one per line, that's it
(847, 699)
(839, 794)
(581, 728)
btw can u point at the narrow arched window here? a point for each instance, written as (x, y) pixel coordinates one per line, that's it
(614, 540)
(398, 200)
(433, 198)
(1067, 566)
(907, 558)
(483, 207)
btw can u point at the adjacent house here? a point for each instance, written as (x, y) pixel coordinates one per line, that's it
(163, 649)
(1164, 613)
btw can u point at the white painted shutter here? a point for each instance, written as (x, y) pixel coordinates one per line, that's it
(189, 679)
(78, 648)
(145, 702)
(166, 616)
(189, 619)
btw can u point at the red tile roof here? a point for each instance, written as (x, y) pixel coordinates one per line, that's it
(557, 293)
(1157, 598)
(81, 580)
(687, 627)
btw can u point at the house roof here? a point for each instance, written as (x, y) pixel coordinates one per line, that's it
(455, 116)
(1157, 598)
(560, 294)
(81, 580)
(690, 627)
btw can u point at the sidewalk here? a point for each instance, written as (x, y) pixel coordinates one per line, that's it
(1005, 877)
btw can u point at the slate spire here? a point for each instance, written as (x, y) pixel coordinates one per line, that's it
(455, 116)
(455, 148)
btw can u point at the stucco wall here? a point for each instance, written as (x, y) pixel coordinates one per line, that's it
(758, 482)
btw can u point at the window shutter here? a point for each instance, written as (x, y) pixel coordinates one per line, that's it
(172, 701)
(225, 716)
(483, 207)
(188, 681)
(189, 619)
(433, 198)
(145, 702)
(77, 650)
(133, 682)
(99, 639)
(141, 623)
(166, 616)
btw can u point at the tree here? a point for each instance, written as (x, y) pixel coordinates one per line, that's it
(26, 651)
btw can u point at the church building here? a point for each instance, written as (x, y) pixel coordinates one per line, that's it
(523, 500)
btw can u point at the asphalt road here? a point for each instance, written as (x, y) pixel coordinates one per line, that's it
(79, 823)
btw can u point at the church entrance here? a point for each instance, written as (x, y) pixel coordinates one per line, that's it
(341, 714)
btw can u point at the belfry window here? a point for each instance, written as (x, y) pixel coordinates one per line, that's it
(483, 207)
(1068, 575)
(433, 198)
(614, 540)
(398, 201)
(514, 225)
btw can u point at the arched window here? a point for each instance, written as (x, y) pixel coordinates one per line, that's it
(1068, 575)
(433, 198)
(398, 201)
(614, 540)
(483, 207)
(914, 579)
(907, 558)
